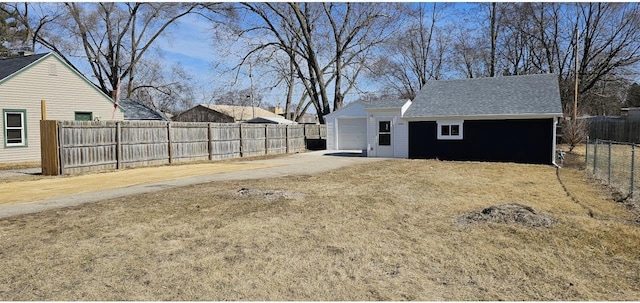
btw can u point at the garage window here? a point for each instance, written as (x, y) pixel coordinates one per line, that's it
(450, 130)
(15, 127)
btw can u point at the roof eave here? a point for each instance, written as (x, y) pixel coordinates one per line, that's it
(485, 117)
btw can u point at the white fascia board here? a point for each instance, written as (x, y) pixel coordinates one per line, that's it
(333, 113)
(405, 107)
(486, 117)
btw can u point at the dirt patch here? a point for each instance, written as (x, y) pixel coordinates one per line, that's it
(268, 194)
(509, 214)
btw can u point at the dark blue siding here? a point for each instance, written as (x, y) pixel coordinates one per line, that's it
(521, 141)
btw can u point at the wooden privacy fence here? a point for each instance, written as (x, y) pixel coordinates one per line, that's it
(621, 131)
(70, 147)
(315, 136)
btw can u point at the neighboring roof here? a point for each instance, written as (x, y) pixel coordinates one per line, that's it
(385, 104)
(273, 120)
(9, 66)
(136, 110)
(241, 113)
(509, 95)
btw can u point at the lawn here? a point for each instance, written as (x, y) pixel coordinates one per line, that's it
(391, 230)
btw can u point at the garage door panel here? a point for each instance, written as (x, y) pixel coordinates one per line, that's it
(352, 134)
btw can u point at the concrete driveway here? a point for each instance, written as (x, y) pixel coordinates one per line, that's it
(24, 197)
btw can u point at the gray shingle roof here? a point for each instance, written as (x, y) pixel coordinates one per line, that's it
(136, 110)
(510, 95)
(9, 66)
(381, 104)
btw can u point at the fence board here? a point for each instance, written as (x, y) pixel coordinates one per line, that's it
(296, 138)
(225, 141)
(253, 140)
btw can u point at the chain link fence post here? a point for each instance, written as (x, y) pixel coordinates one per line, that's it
(595, 157)
(633, 169)
(609, 165)
(586, 155)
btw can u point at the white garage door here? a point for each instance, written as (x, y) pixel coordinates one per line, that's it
(352, 134)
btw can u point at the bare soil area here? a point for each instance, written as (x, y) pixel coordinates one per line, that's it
(27, 189)
(386, 230)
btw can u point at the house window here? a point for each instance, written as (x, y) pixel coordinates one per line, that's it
(84, 116)
(15, 127)
(384, 133)
(450, 130)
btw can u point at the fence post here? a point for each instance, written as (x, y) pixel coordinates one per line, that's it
(266, 139)
(286, 138)
(170, 144)
(586, 155)
(209, 142)
(595, 156)
(609, 165)
(241, 147)
(118, 145)
(633, 166)
(61, 140)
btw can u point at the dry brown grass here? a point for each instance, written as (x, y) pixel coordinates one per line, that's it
(381, 231)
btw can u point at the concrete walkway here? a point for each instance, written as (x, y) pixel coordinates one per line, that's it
(297, 164)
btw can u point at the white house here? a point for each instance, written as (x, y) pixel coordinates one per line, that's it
(24, 83)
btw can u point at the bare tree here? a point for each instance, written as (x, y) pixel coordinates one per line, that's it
(112, 36)
(165, 89)
(417, 54)
(325, 43)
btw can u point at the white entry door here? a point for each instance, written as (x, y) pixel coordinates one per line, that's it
(385, 138)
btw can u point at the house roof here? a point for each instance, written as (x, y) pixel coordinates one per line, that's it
(509, 95)
(9, 66)
(274, 120)
(241, 113)
(12, 66)
(384, 104)
(136, 110)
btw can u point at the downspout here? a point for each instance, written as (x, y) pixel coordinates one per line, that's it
(554, 141)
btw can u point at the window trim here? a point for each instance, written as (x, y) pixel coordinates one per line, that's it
(81, 112)
(23, 113)
(450, 123)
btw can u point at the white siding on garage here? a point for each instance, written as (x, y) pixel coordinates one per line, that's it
(65, 92)
(401, 139)
(400, 129)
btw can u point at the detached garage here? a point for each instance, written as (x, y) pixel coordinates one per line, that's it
(347, 128)
(501, 119)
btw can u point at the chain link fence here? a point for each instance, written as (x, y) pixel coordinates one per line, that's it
(615, 163)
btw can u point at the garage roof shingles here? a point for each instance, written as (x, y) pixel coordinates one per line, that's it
(509, 95)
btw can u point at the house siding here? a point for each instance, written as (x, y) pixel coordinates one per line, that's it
(65, 93)
(401, 148)
(331, 135)
(520, 141)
